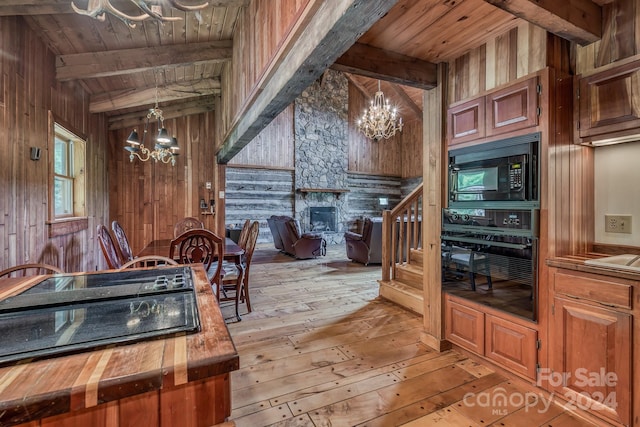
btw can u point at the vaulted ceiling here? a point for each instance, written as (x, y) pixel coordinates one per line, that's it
(121, 66)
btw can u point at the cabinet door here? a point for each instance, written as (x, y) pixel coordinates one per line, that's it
(466, 121)
(512, 108)
(465, 326)
(512, 346)
(592, 351)
(609, 101)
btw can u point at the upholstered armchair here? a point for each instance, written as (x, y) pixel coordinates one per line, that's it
(298, 244)
(273, 226)
(365, 247)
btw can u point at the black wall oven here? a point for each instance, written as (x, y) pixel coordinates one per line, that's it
(500, 171)
(490, 227)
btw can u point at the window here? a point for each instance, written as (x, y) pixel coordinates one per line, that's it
(67, 180)
(68, 174)
(63, 177)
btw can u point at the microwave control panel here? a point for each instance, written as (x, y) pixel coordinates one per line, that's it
(515, 175)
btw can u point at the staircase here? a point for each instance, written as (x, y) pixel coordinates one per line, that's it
(402, 274)
(406, 288)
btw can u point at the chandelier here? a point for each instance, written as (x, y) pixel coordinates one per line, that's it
(166, 147)
(149, 8)
(380, 120)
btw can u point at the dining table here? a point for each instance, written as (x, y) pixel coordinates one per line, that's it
(232, 253)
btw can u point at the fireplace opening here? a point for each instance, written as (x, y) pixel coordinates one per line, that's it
(322, 218)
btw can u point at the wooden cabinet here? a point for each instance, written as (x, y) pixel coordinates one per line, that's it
(609, 102)
(505, 110)
(511, 345)
(512, 108)
(465, 326)
(500, 339)
(591, 345)
(466, 121)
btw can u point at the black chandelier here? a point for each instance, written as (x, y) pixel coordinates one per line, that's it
(166, 147)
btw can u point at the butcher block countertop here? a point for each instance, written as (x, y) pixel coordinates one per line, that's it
(34, 389)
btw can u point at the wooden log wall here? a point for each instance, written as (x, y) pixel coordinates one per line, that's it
(148, 198)
(365, 191)
(28, 91)
(256, 194)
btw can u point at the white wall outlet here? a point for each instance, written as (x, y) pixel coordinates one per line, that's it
(207, 185)
(617, 224)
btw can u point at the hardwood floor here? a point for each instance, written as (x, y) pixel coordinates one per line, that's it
(321, 349)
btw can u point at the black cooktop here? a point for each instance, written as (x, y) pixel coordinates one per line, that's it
(70, 313)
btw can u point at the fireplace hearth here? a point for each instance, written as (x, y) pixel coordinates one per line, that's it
(322, 218)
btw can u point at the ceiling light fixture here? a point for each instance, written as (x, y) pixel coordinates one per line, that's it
(150, 8)
(166, 147)
(380, 120)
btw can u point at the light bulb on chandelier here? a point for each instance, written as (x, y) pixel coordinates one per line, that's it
(380, 120)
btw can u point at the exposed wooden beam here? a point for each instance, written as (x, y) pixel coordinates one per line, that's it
(579, 21)
(203, 104)
(136, 97)
(389, 66)
(51, 7)
(361, 88)
(406, 100)
(330, 31)
(126, 61)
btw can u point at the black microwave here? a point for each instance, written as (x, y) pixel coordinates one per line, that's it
(497, 171)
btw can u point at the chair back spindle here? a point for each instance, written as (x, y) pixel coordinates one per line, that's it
(108, 247)
(123, 242)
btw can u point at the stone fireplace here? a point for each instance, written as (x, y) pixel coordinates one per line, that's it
(321, 156)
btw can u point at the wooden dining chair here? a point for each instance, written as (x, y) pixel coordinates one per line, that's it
(123, 243)
(24, 270)
(109, 250)
(186, 224)
(229, 283)
(200, 246)
(148, 261)
(242, 239)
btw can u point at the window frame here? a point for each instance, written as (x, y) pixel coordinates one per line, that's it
(77, 220)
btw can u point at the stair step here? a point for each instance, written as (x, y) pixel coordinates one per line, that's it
(410, 274)
(416, 256)
(403, 295)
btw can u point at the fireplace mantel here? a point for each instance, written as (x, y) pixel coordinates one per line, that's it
(336, 191)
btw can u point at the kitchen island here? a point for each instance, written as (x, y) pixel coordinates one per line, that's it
(178, 379)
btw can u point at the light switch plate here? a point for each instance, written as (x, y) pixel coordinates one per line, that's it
(617, 224)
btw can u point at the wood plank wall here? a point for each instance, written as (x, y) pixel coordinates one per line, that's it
(274, 145)
(28, 90)
(620, 37)
(367, 156)
(505, 58)
(253, 51)
(148, 198)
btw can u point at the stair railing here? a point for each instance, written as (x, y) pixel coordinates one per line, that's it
(401, 232)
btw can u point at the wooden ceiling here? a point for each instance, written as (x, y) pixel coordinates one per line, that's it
(121, 66)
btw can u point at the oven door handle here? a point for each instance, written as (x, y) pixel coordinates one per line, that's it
(485, 242)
